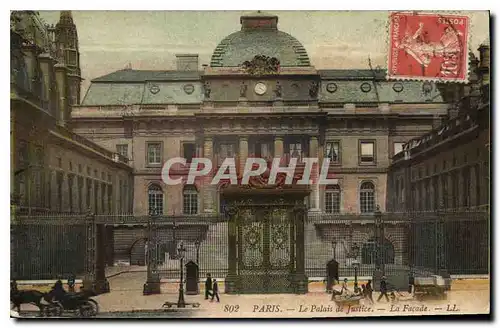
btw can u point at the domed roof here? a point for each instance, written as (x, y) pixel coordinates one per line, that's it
(259, 35)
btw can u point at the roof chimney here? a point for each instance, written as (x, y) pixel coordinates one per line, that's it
(187, 62)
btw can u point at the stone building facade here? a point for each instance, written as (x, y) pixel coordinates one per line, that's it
(355, 117)
(448, 168)
(53, 169)
(260, 96)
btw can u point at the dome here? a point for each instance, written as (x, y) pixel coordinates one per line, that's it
(259, 35)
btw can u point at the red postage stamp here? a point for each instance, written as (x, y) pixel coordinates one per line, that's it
(428, 47)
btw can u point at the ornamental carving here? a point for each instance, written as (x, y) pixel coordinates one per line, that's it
(261, 65)
(313, 89)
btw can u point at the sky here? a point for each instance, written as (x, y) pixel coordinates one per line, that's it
(110, 40)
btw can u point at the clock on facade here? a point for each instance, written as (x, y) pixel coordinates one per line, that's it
(260, 88)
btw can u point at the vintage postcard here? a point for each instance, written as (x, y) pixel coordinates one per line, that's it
(227, 164)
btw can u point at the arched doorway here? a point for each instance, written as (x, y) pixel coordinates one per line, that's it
(369, 252)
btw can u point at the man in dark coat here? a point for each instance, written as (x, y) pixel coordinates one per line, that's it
(383, 290)
(208, 286)
(369, 291)
(215, 291)
(58, 291)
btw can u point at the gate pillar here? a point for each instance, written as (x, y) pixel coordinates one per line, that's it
(95, 266)
(152, 285)
(300, 279)
(230, 283)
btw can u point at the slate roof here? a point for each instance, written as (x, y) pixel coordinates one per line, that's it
(243, 45)
(131, 75)
(134, 87)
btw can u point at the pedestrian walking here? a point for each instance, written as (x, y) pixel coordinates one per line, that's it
(345, 287)
(369, 291)
(215, 291)
(208, 286)
(383, 290)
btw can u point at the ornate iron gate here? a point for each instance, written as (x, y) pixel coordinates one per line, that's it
(266, 243)
(266, 247)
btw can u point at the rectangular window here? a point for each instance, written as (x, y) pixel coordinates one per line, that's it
(96, 197)
(80, 194)
(189, 151)
(332, 151)
(190, 205)
(89, 192)
(226, 150)
(295, 150)
(332, 200)
(367, 152)
(59, 180)
(122, 150)
(435, 184)
(154, 153)
(444, 183)
(110, 199)
(398, 147)
(466, 183)
(262, 150)
(70, 191)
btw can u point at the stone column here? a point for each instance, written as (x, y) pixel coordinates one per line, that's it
(53, 191)
(278, 146)
(243, 154)
(61, 81)
(313, 152)
(208, 189)
(65, 193)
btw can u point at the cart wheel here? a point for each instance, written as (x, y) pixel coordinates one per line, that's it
(58, 310)
(84, 310)
(93, 307)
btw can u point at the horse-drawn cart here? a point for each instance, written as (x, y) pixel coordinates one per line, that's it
(432, 285)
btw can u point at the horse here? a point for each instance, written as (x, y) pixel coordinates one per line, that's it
(26, 297)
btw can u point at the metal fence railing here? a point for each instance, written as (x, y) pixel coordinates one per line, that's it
(48, 246)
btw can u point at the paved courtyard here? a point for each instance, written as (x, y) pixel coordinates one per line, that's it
(126, 299)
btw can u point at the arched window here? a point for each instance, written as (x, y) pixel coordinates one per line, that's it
(190, 200)
(155, 199)
(332, 199)
(367, 197)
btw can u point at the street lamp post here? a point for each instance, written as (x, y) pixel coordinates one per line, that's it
(181, 251)
(181, 303)
(379, 226)
(355, 265)
(197, 245)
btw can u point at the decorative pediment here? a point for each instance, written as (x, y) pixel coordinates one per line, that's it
(261, 65)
